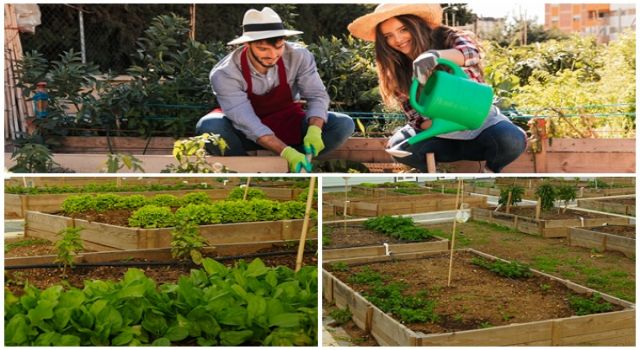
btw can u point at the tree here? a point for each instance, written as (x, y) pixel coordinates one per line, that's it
(516, 194)
(458, 14)
(547, 194)
(566, 193)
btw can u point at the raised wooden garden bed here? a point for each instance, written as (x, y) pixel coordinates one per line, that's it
(404, 204)
(377, 192)
(369, 243)
(618, 205)
(118, 181)
(609, 328)
(618, 238)
(541, 227)
(16, 205)
(101, 237)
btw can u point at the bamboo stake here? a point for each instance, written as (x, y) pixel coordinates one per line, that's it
(453, 235)
(13, 119)
(509, 202)
(246, 189)
(538, 208)
(305, 224)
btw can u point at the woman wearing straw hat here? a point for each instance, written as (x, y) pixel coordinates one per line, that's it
(409, 38)
(256, 86)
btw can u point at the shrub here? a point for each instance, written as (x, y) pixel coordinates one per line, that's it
(516, 194)
(165, 200)
(238, 193)
(186, 241)
(200, 214)
(547, 194)
(78, 204)
(566, 193)
(294, 210)
(106, 201)
(195, 198)
(151, 216)
(586, 306)
(134, 201)
(68, 246)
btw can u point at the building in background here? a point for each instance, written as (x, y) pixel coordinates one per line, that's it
(604, 21)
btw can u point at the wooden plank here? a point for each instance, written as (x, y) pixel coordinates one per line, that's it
(45, 226)
(563, 145)
(114, 237)
(327, 286)
(13, 207)
(514, 334)
(582, 237)
(389, 332)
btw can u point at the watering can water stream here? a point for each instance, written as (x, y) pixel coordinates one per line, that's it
(452, 101)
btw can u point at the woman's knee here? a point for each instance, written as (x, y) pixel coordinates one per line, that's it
(512, 140)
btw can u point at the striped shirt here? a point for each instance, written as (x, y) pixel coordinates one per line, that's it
(472, 57)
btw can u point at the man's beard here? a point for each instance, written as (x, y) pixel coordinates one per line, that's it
(255, 58)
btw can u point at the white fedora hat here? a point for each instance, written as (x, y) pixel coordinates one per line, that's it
(258, 25)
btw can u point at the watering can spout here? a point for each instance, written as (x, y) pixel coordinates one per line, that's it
(438, 127)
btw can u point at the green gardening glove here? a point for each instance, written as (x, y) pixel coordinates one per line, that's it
(295, 159)
(313, 141)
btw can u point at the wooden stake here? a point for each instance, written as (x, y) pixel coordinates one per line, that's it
(538, 208)
(305, 224)
(509, 202)
(453, 235)
(431, 163)
(246, 189)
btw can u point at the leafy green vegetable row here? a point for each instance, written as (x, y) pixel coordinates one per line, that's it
(152, 216)
(249, 304)
(402, 228)
(97, 188)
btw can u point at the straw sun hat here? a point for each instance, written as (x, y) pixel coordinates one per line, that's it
(258, 25)
(365, 27)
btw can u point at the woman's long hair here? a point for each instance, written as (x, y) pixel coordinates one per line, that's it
(395, 68)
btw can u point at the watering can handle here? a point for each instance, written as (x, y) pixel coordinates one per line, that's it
(413, 90)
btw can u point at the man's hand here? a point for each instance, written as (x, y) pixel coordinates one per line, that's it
(313, 141)
(295, 159)
(424, 65)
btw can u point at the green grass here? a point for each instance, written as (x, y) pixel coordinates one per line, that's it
(25, 243)
(545, 263)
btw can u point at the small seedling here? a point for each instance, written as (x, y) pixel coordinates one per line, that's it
(341, 316)
(485, 324)
(186, 241)
(511, 269)
(339, 266)
(68, 247)
(545, 288)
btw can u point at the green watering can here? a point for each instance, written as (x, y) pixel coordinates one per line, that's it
(453, 102)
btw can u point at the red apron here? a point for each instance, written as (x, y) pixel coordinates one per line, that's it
(276, 108)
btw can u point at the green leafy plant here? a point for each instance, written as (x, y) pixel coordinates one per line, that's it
(134, 201)
(253, 193)
(186, 241)
(191, 155)
(566, 193)
(68, 247)
(547, 194)
(326, 240)
(341, 316)
(195, 198)
(592, 305)
(78, 204)
(32, 158)
(24, 243)
(201, 214)
(248, 304)
(106, 201)
(511, 269)
(339, 266)
(165, 200)
(366, 276)
(151, 216)
(117, 161)
(516, 194)
(408, 308)
(402, 228)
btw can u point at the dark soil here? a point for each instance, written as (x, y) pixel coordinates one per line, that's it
(553, 214)
(43, 278)
(42, 247)
(469, 303)
(358, 236)
(118, 217)
(625, 201)
(618, 230)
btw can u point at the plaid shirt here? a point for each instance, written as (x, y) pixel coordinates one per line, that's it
(471, 67)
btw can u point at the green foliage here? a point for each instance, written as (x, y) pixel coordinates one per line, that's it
(302, 197)
(134, 201)
(586, 306)
(516, 194)
(253, 193)
(511, 269)
(200, 214)
(195, 198)
(566, 193)
(339, 266)
(402, 228)
(151, 216)
(249, 304)
(106, 201)
(165, 200)
(347, 69)
(191, 155)
(186, 241)
(408, 308)
(547, 194)
(117, 161)
(78, 204)
(570, 81)
(341, 316)
(68, 246)
(366, 276)
(32, 158)
(107, 187)
(326, 240)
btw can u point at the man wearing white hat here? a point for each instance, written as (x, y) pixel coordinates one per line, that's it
(256, 86)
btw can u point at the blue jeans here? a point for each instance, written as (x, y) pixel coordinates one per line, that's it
(335, 132)
(498, 145)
